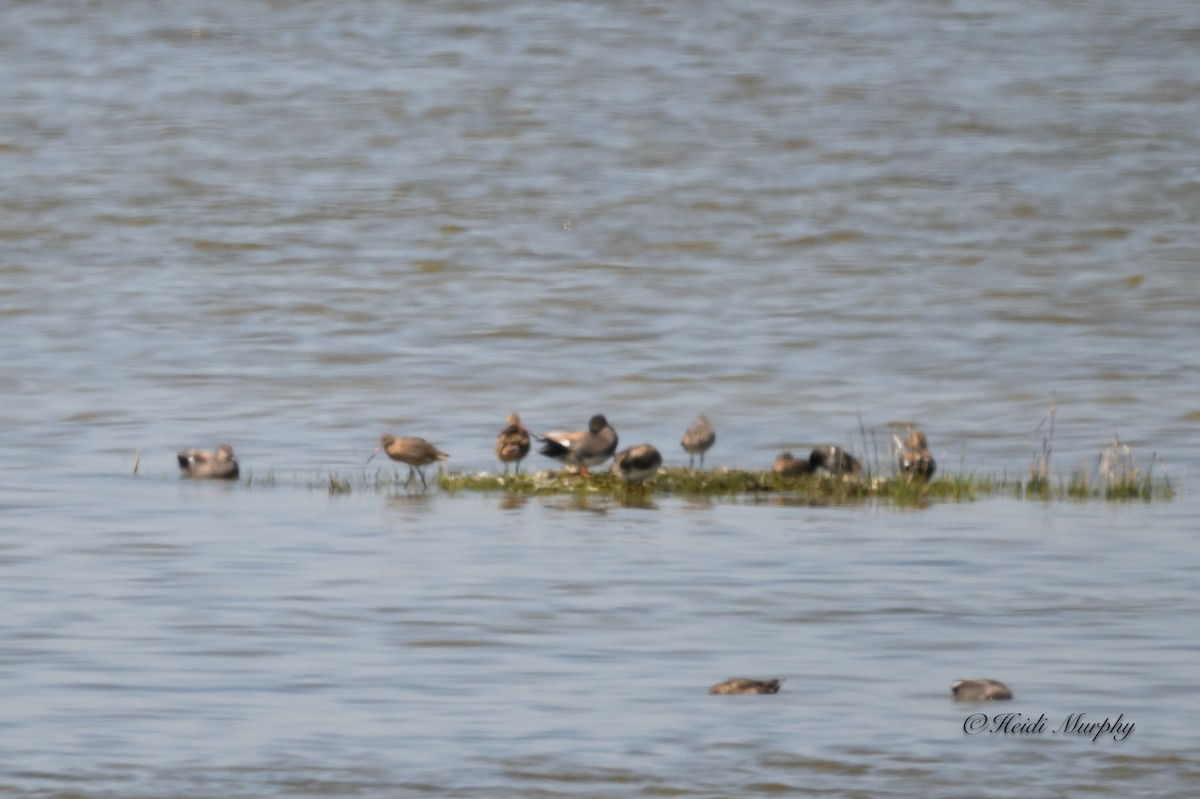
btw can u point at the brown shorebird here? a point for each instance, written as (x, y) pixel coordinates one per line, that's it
(582, 448)
(788, 466)
(915, 457)
(513, 443)
(741, 685)
(979, 690)
(416, 452)
(637, 464)
(203, 464)
(697, 440)
(833, 459)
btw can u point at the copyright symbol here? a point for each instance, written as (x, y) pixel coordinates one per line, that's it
(975, 723)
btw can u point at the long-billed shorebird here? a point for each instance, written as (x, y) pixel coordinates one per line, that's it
(416, 452)
(200, 463)
(582, 448)
(513, 442)
(697, 440)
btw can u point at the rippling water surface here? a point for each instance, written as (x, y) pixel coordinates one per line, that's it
(293, 226)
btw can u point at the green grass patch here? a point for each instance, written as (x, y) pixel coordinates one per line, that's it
(817, 489)
(814, 489)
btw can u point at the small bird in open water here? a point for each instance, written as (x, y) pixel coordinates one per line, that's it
(833, 459)
(787, 466)
(416, 452)
(915, 457)
(582, 448)
(513, 442)
(697, 440)
(637, 464)
(200, 463)
(742, 685)
(979, 690)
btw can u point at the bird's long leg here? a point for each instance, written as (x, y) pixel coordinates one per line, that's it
(421, 474)
(410, 476)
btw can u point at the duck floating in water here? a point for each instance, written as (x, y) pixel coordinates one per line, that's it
(582, 448)
(742, 685)
(979, 689)
(915, 457)
(512, 445)
(203, 464)
(637, 464)
(698, 439)
(416, 452)
(787, 466)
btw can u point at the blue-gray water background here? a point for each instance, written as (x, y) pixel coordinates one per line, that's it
(293, 226)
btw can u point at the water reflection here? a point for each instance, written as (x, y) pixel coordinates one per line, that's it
(402, 500)
(642, 499)
(512, 501)
(588, 503)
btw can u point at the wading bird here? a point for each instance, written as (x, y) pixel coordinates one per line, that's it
(416, 452)
(513, 443)
(915, 457)
(697, 440)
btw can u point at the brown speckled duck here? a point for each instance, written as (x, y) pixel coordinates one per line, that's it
(637, 464)
(979, 689)
(582, 448)
(698, 439)
(742, 685)
(512, 445)
(416, 452)
(787, 466)
(200, 463)
(915, 457)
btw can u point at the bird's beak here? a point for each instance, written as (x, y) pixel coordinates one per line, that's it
(376, 452)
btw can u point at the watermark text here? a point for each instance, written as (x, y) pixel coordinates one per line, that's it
(1075, 724)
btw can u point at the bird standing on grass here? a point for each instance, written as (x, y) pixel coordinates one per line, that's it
(582, 448)
(697, 440)
(416, 452)
(915, 457)
(512, 445)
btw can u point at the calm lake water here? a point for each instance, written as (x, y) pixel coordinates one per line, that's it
(293, 226)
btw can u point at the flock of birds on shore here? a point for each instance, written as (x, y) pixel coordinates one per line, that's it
(635, 465)
(590, 447)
